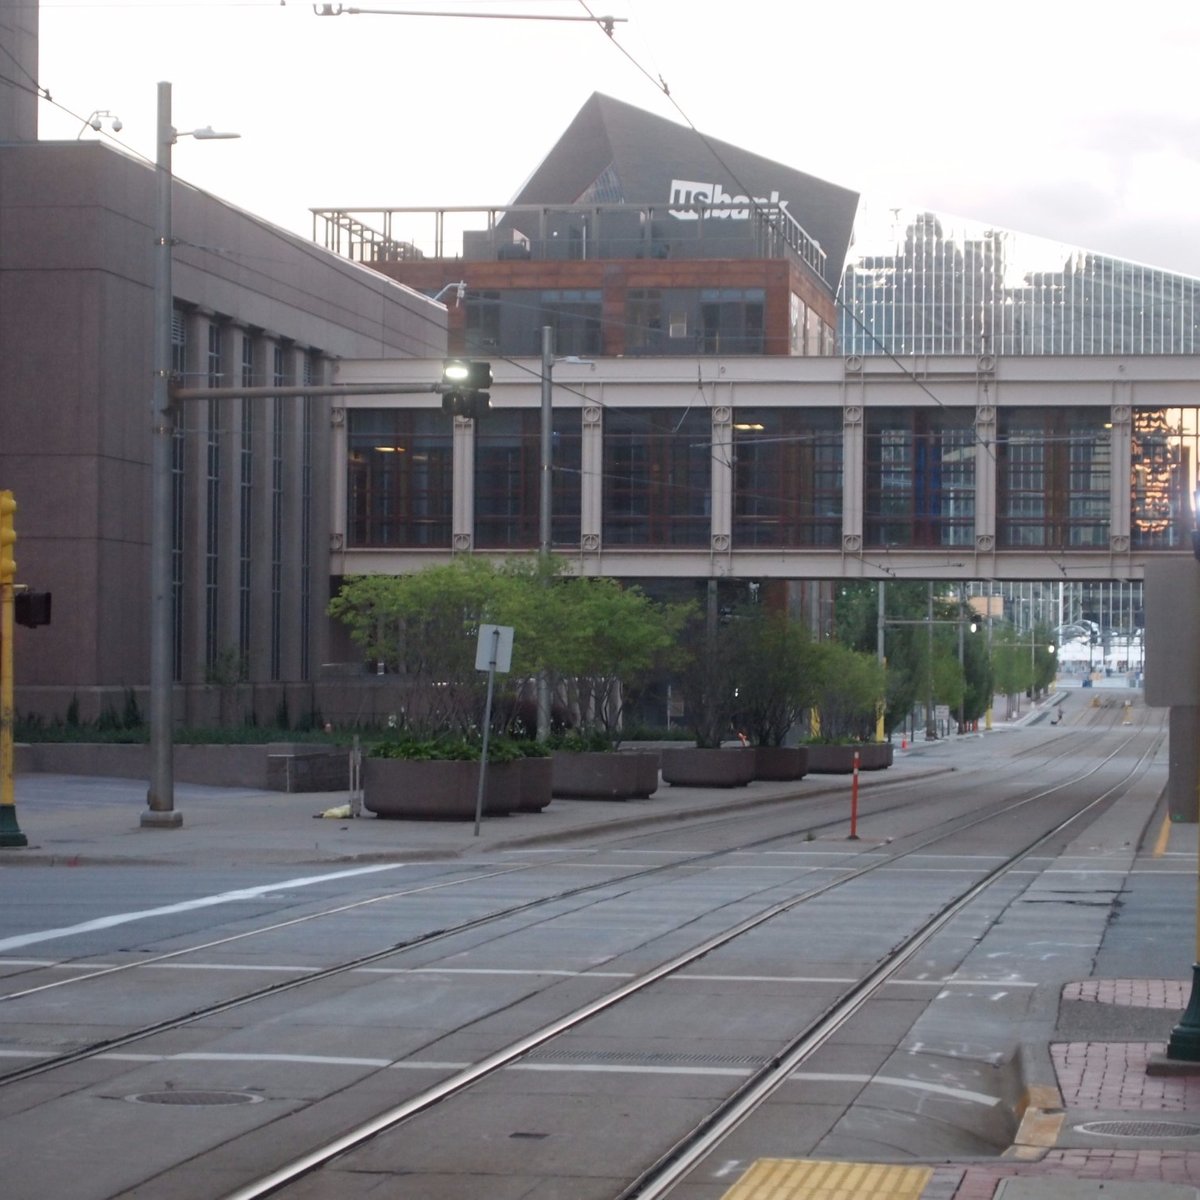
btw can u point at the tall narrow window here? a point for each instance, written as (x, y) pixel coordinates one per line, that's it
(658, 476)
(731, 320)
(575, 317)
(1163, 476)
(246, 506)
(279, 378)
(920, 477)
(508, 479)
(212, 508)
(306, 468)
(178, 524)
(400, 477)
(787, 477)
(1053, 477)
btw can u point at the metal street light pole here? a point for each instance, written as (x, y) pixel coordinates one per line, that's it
(545, 511)
(161, 811)
(160, 798)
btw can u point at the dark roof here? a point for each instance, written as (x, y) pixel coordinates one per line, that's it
(612, 152)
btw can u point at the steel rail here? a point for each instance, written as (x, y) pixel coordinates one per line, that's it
(852, 999)
(108, 1045)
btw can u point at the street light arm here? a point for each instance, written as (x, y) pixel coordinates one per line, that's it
(336, 10)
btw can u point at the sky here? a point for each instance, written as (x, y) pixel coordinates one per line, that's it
(1071, 121)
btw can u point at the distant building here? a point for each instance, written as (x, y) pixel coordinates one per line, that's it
(945, 286)
(633, 237)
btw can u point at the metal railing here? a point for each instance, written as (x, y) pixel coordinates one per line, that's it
(565, 232)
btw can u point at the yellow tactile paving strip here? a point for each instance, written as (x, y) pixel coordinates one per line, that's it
(811, 1179)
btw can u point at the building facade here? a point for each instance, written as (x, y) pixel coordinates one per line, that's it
(251, 498)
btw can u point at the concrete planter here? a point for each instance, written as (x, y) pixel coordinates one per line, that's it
(605, 775)
(780, 762)
(839, 760)
(695, 767)
(269, 766)
(537, 776)
(438, 790)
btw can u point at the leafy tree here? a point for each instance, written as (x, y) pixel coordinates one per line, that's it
(425, 626)
(851, 688)
(775, 675)
(597, 638)
(707, 678)
(603, 642)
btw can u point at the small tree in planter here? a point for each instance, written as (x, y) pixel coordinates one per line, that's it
(708, 680)
(607, 639)
(851, 690)
(776, 682)
(425, 627)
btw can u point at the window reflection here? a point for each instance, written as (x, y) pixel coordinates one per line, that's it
(400, 478)
(787, 477)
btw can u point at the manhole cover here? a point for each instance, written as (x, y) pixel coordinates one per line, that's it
(1150, 1129)
(194, 1098)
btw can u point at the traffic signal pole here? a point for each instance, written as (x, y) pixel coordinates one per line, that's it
(10, 831)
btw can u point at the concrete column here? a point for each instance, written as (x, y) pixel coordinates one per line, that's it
(986, 476)
(591, 483)
(721, 486)
(1183, 763)
(339, 486)
(853, 451)
(462, 504)
(1122, 470)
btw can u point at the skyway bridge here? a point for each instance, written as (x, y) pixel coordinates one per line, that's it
(867, 467)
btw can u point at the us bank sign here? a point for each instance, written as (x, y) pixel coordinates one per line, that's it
(693, 192)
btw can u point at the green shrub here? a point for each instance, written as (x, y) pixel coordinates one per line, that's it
(445, 748)
(579, 740)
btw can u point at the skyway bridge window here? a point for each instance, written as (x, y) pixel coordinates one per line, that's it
(508, 479)
(400, 478)
(1163, 477)
(1053, 477)
(920, 477)
(658, 476)
(787, 477)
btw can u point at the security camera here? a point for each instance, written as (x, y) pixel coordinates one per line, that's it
(95, 124)
(118, 125)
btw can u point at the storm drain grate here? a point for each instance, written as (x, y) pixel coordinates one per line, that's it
(651, 1060)
(1151, 1129)
(198, 1099)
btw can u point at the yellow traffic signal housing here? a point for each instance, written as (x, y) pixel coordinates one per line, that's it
(8, 538)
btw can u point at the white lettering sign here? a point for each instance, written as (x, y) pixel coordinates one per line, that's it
(727, 205)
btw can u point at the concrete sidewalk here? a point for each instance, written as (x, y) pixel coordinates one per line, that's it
(74, 821)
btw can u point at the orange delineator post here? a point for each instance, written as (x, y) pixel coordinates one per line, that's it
(854, 802)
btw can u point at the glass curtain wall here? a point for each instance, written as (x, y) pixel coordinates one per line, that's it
(657, 476)
(925, 284)
(1053, 477)
(508, 487)
(400, 477)
(920, 477)
(787, 477)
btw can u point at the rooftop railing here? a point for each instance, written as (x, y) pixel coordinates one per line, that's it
(579, 232)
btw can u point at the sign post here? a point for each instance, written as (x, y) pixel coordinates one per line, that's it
(492, 654)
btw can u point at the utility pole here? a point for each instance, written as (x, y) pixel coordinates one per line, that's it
(545, 509)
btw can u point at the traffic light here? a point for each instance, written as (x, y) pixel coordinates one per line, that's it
(463, 388)
(32, 609)
(8, 538)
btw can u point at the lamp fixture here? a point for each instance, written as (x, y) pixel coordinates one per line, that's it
(96, 122)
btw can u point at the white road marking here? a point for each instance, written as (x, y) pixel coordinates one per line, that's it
(917, 1085)
(166, 910)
